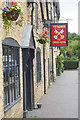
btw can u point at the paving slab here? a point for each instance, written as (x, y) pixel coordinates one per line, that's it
(61, 100)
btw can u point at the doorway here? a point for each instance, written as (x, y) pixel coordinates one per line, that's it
(28, 83)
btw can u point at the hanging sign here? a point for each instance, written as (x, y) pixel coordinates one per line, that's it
(59, 34)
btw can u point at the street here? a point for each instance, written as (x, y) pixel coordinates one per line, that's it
(61, 101)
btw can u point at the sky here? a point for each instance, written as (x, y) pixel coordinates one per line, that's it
(69, 10)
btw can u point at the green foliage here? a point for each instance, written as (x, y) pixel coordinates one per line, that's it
(73, 36)
(7, 23)
(59, 64)
(73, 48)
(71, 64)
(48, 86)
(74, 58)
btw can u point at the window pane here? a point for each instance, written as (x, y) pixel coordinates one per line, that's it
(12, 74)
(40, 76)
(16, 57)
(36, 16)
(38, 61)
(6, 96)
(10, 64)
(6, 72)
(17, 89)
(17, 70)
(4, 77)
(11, 92)
(5, 59)
(12, 56)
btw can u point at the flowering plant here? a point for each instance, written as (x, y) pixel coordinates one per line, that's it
(43, 37)
(11, 14)
(59, 64)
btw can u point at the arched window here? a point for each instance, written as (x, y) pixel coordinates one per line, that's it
(38, 62)
(11, 72)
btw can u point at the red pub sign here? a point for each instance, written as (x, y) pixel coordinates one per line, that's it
(59, 34)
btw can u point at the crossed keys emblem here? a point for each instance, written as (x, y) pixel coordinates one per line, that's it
(59, 33)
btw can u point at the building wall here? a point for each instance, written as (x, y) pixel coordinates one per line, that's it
(39, 90)
(1, 69)
(17, 110)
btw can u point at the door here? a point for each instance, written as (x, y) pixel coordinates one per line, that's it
(28, 83)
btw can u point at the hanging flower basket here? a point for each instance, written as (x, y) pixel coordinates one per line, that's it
(43, 37)
(41, 41)
(12, 15)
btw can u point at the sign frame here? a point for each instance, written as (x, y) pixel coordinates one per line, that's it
(66, 34)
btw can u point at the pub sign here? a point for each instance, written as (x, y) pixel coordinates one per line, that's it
(59, 34)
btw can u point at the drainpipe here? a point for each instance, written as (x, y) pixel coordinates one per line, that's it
(53, 53)
(44, 69)
(34, 51)
(32, 13)
(52, 65)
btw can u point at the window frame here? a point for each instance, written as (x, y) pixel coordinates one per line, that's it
(42, 11)
(12, 99)
(38, 66)
(49, 10)
(36, 15)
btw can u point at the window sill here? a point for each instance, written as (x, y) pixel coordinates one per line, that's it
(10, 106)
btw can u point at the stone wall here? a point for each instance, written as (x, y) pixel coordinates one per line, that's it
(17, 110)
(1, 68)
(39, 89)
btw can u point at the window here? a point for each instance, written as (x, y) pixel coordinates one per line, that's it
(42, 11)
(8, 3)
(38, 61)
(36, 16)
(11, 75)
(49, 10)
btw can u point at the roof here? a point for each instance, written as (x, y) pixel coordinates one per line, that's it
(27, 40)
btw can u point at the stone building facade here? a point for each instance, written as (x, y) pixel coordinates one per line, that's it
(12, 95)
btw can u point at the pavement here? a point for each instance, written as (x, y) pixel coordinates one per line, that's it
(79, 92)
(61, 100)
